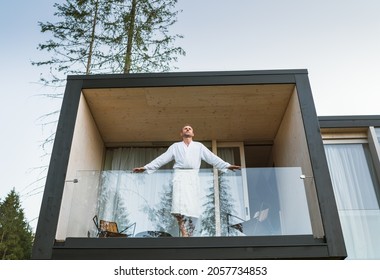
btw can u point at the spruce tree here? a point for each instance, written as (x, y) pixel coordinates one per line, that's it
(161, 213)
(105, 37)
(208, 217)
(226, 203)
(138, 38)
(110, 36)
(16, 236)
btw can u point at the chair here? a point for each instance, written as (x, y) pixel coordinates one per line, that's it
(236, 224)
(110, 229)
(250, 226)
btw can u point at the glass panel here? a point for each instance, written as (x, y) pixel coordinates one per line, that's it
(353, 181)
(126, 198)
(361, 229)
(377, 130)
(140, 204)
(355, 185)
(82, 203)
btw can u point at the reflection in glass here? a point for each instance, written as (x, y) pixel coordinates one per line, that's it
(276, 203)
(377, 130)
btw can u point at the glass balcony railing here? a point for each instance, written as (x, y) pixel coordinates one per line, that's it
(248, 202)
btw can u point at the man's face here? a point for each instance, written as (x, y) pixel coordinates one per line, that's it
(187, 131)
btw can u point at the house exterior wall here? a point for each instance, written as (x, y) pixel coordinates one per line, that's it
(46, 246)
(353, 147)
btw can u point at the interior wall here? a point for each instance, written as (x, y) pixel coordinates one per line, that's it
(290, 150)
(87, 153)
(258, 155)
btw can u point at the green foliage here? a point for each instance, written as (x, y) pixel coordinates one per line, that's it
(110, 36)
(16, 237)
(139, 36)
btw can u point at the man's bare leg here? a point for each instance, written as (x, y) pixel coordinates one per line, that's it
(181, 225)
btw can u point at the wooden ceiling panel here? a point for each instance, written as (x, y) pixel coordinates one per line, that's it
(225, 113)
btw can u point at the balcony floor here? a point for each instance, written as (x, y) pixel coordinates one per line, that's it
(263, 247)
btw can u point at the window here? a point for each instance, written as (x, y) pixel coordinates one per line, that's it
(356, 190)
(377, 130)
(353, 176)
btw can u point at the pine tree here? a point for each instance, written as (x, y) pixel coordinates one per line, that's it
(161, 213)
(138, 38)
(75, 45)
(103, 37)
(226, 205)
(226, 208)
(208, 219)
(110, 36)
(16, 237)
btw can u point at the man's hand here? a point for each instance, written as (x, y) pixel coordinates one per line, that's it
(233, 167)
(138, 170)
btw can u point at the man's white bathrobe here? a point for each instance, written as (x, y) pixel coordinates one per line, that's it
(186, 186)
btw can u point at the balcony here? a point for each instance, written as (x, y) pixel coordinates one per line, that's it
(249, 202)
(269, 115)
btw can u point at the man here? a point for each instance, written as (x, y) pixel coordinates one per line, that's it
(187, 154)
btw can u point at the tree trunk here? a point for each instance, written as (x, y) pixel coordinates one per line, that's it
(5, 249)
(130, 27)
(92, 40)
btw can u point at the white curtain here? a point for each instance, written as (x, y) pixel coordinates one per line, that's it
(351, 176)
(354, 188)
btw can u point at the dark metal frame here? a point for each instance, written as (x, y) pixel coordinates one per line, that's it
(349, 121)
(269, 247)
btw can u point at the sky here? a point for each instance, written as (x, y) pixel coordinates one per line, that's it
(337, 41)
